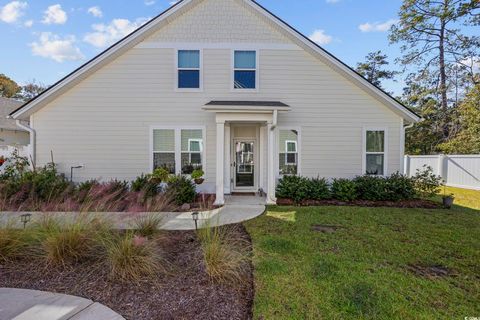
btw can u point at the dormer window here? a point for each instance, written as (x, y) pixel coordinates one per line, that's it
(245, 70)
(189, 73)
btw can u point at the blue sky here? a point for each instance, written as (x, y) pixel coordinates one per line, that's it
(45, 40)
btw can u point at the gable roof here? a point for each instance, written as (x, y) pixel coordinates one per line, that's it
(138, 35)
(6, 107)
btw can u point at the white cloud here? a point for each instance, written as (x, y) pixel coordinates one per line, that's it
(28, 23)
(95, 11)
(320, 37)
(12, 11)
(149, 2)
(54, 47)
(54, 15)
(333, 1)
(173, 2)
(377, 26)
(104, 35)
(473, 62)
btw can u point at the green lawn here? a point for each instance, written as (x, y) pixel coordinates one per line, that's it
(365, 269)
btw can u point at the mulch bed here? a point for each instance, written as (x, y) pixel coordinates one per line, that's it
(415, 203)
(185, 293)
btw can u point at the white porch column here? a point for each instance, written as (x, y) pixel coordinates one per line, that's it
(220, 199)
(271, 199)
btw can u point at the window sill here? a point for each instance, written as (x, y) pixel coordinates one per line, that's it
(188, 90)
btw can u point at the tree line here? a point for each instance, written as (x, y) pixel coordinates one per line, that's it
(440, 40)
(10, 89)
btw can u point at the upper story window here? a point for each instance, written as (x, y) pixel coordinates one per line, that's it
(245, 70)
(375, 152)
(188, 69)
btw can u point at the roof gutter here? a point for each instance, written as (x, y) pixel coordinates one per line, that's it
(33, 138)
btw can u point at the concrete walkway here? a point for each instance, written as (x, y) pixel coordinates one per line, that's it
(21, 304)
(236, 209)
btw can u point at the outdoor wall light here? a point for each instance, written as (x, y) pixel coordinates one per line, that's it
(195, 218)
(25, 218)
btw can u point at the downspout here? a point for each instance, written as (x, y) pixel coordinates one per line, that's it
(274, 120)
(32, 139)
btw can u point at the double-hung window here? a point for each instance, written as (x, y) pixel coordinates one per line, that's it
(245, 70)
(288, 153)
(192, 149)
(179, 150)
(189, 73)
(164, 149)
(375, 152)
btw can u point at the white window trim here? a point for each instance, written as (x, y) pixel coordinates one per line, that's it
(177, 69)
(290, 152)
(384, 153)
(257, 71)
(178, 145)
(200, 143)
(277, 151)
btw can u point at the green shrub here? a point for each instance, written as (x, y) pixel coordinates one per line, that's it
(293, 187)
(45, 184)
(181, 189)
(160, 175)
(145, 183)
(399, 187)
(318, 189)
(86, 186)
(132, 258)
(427, 184)
(344, 190)
(371, 188)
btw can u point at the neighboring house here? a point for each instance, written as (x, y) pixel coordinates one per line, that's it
(224, 85)
(10, 133)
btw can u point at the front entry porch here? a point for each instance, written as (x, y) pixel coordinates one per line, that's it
(245, 147)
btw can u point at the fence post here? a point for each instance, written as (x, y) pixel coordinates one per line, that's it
(406, 166)
(441, 167)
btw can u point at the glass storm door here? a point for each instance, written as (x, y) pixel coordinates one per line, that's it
(244, 164)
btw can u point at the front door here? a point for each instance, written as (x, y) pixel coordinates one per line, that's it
(244, 165)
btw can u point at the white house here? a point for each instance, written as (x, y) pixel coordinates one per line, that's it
(221, 84)
(12, 137)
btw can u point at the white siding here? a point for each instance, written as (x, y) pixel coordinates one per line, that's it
(103, 122)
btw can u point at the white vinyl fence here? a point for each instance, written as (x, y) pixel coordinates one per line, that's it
(462, 171)
(23, 151)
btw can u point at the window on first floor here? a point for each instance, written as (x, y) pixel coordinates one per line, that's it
(288, 152)
(178, 150)
(375, 152)
(164, 149)
(192, 149)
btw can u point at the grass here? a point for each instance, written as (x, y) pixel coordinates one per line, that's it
(147, 225)
(366, 269)
(465, 197)
(132, 258)
(62, 242)
(225, 254)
